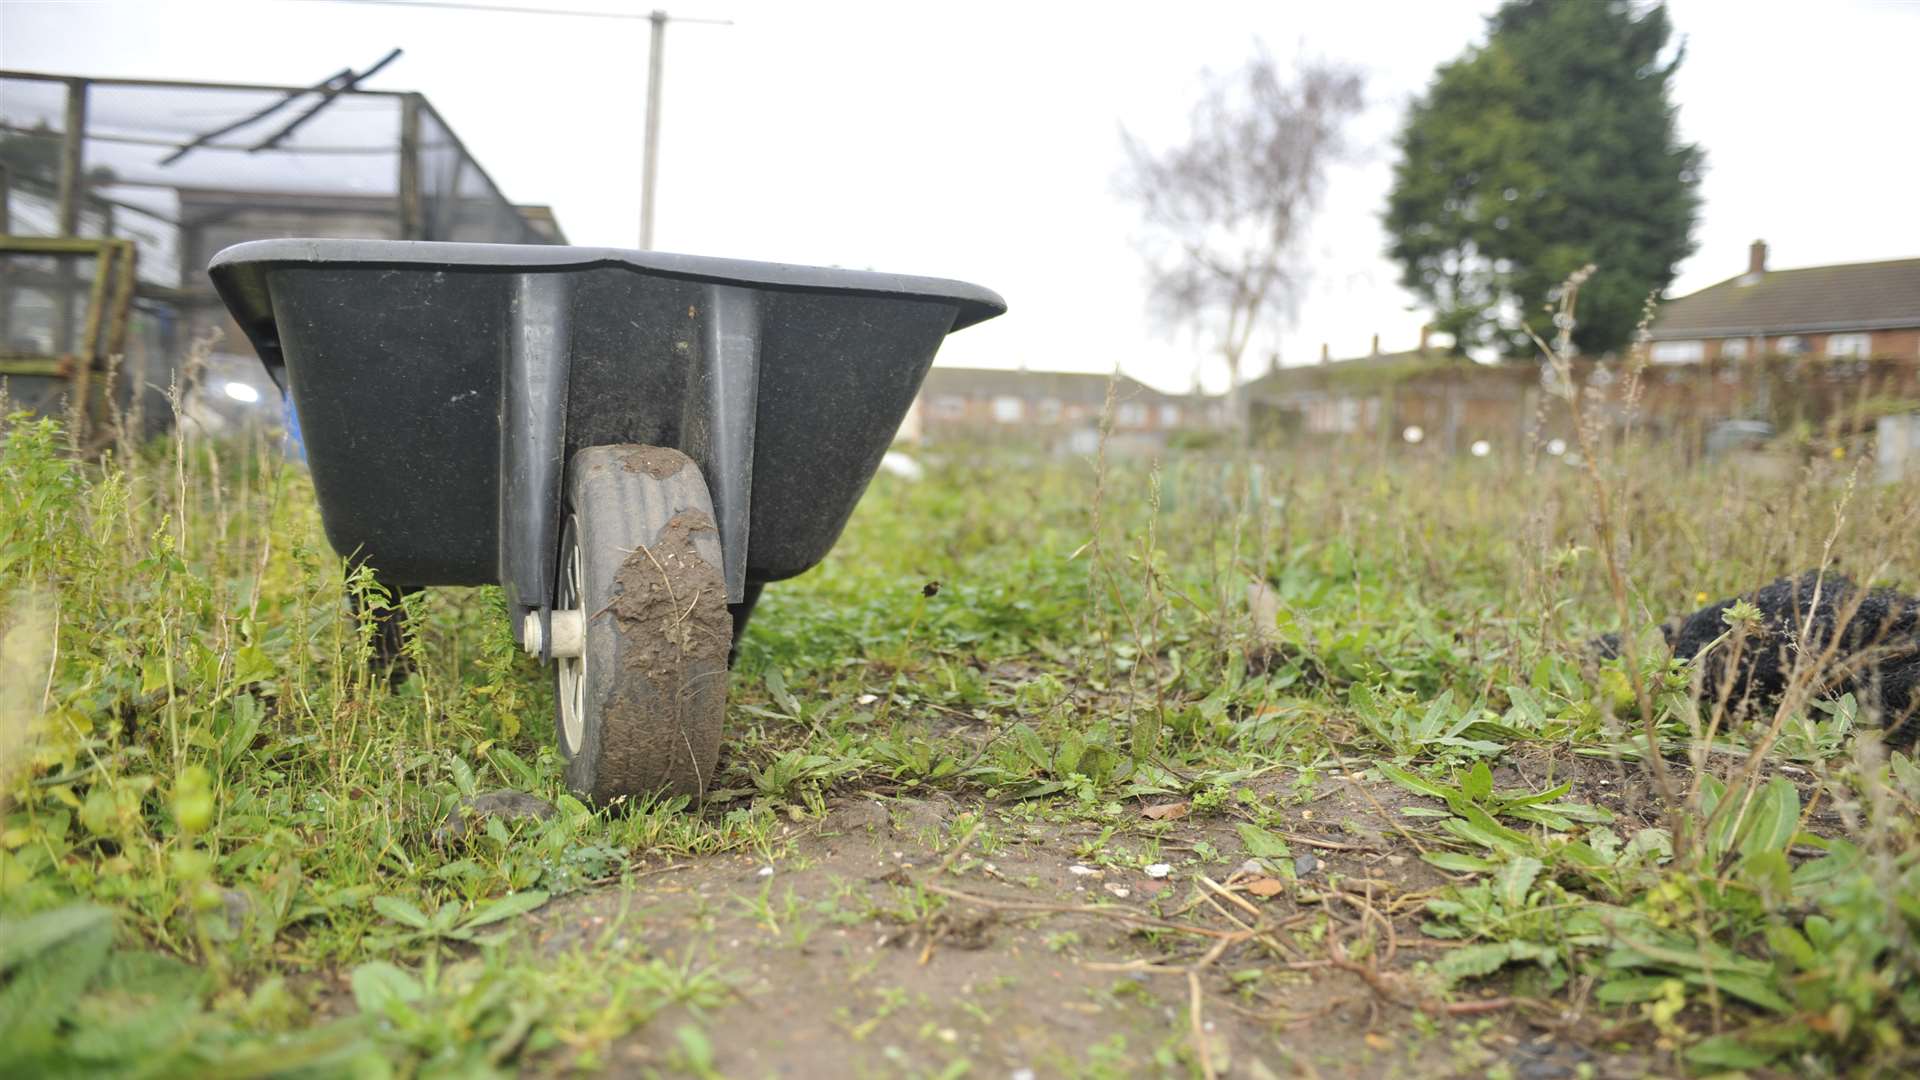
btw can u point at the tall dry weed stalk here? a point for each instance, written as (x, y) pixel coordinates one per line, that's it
(1609, 471)
(1608, 521)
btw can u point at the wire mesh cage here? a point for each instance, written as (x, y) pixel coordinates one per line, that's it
(184, 169)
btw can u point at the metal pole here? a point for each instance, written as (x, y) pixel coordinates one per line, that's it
(652, 165)
(412, 223)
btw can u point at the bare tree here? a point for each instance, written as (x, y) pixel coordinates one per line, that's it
(1226, 210)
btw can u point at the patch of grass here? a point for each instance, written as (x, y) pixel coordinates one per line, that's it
(219, 821)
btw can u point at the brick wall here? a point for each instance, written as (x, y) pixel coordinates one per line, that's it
(1901, 344)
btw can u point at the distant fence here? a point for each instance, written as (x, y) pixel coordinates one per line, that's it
(1448, 407)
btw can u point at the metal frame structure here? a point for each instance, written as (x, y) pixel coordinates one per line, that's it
(104, 336)
(413, 106)
(86, 196)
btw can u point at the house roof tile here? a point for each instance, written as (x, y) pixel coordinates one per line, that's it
(1851, 296)
(1065, 386)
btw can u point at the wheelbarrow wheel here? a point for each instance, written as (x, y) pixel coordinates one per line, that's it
(640, 706)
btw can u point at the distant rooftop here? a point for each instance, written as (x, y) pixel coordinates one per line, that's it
(1371, 368)
(1849, 296)
(1064, 386)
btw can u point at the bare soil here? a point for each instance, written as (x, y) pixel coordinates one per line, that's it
(656, 461)
(871, 944)
(671, 604)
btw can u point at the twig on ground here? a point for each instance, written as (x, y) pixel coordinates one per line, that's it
(1126, 915)
(1230, 896)
(1200, 1050)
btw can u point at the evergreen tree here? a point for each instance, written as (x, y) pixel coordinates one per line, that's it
(1550, 147)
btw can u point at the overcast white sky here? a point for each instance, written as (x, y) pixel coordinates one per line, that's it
(980, 140)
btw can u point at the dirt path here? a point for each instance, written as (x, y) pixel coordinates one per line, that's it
(844, 958)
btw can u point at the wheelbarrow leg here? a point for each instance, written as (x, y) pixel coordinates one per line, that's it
(741, 612)
(389, 632)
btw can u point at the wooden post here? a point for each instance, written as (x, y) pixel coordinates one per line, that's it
(82, 360)
(6, 228)
(73, 157)
(72, 179)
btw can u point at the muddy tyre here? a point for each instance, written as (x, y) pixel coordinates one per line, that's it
(639, 711)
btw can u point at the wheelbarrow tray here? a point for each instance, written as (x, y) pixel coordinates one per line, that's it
(442, 389)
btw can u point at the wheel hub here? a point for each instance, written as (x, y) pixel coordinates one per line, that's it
(569, 627)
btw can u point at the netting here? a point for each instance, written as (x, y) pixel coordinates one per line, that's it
(43, 303)
(184, 170)
(458, 201)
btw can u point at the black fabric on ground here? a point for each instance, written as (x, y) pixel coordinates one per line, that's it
(1876, 658)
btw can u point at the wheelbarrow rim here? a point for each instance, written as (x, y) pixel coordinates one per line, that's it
(235, 270)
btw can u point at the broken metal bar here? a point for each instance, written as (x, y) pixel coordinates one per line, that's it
(327, 94)
(254, 117)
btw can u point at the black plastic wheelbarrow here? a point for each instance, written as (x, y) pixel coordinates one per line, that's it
(630, 443)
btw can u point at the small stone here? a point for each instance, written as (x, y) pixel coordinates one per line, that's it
(508, 805)
(1119, 890)
(1159, 870)
(1304, 864)
(766, 871)
(867, 699)
(235, 906)
(1083, 871)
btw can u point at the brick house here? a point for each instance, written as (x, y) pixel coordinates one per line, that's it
(1854, 311)
(1060, 408)
(1420, 397)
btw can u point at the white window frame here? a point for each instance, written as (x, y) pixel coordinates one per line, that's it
(1849, 346)
(949, 407)
(1130, 414)
(1049, 410)
(1169, 416)
(1009, 409)
(1735, 348)
(1678, 352)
